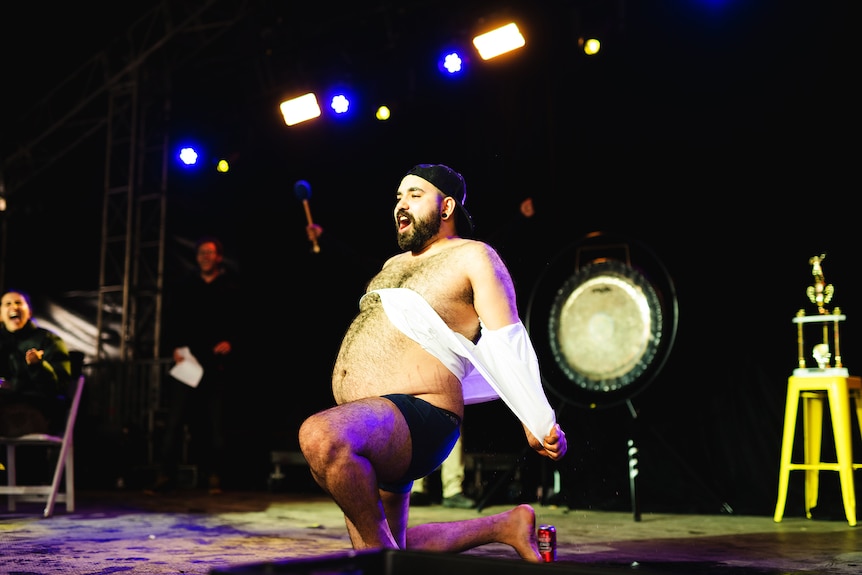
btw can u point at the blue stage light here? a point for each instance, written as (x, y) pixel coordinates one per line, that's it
(188, 156)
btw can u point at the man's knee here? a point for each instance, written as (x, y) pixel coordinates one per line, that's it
(318, 440)
(307, 432)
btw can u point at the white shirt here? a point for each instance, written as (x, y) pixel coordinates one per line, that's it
(502, 365)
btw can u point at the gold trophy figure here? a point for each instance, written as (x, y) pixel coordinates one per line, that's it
(820, 294)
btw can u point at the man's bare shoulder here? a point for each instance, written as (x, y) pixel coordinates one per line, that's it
(471, 257)
(465, 247)
(478, 246)
(478, 251)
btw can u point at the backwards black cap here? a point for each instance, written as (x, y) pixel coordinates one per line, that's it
(451, 183)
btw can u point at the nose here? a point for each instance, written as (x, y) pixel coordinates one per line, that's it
(401, 204)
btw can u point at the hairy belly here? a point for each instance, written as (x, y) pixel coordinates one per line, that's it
(376, 359)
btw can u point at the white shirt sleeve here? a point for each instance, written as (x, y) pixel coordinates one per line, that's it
(506, 360)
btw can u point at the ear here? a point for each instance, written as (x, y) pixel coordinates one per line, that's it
(448, 207)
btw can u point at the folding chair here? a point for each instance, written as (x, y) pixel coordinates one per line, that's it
(65, 462)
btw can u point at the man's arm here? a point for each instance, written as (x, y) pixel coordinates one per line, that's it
(495, 302)
(493, 290)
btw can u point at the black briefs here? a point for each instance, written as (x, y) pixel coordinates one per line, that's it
(434, 432)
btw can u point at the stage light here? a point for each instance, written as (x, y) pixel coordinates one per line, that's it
(496, 42)
(591, 46)
(451, 63)
(223, 166)
(383, 113)
(188, 156)
(340, 104)
(300, 109)
(342, 99)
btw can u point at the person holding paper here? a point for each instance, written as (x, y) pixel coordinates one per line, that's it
(202, 329)
(437, 328)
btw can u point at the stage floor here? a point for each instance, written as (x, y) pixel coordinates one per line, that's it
(194, 533)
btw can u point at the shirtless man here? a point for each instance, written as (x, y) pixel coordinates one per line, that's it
(400, 380)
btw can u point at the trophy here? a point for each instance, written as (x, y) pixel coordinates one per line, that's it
(820, 294)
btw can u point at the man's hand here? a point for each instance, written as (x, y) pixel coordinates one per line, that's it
(553, 446)
(314, 232)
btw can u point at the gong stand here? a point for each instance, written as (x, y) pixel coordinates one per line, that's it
(602, 317)
(633, 458)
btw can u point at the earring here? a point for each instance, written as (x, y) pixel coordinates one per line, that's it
(445, 216)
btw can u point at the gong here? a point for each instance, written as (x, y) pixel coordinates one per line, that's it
(602, 317)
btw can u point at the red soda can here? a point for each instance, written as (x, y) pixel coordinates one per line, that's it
(547, 537)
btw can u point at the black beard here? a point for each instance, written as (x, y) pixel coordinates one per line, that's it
(423, 231)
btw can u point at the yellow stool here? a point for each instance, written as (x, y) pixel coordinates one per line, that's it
(813, 390)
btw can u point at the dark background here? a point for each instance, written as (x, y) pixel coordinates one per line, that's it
(720, 135)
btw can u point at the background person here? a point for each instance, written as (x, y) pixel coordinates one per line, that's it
(204, 314)
(452, 473)
(35, 368)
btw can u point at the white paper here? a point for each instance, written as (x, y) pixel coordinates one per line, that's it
(188, 371)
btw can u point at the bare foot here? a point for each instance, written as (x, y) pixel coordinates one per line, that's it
(516, 528)
(520, 533)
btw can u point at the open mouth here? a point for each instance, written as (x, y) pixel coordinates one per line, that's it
(404, 221)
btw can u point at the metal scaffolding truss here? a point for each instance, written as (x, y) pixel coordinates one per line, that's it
(124, 92)
(134, 208)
